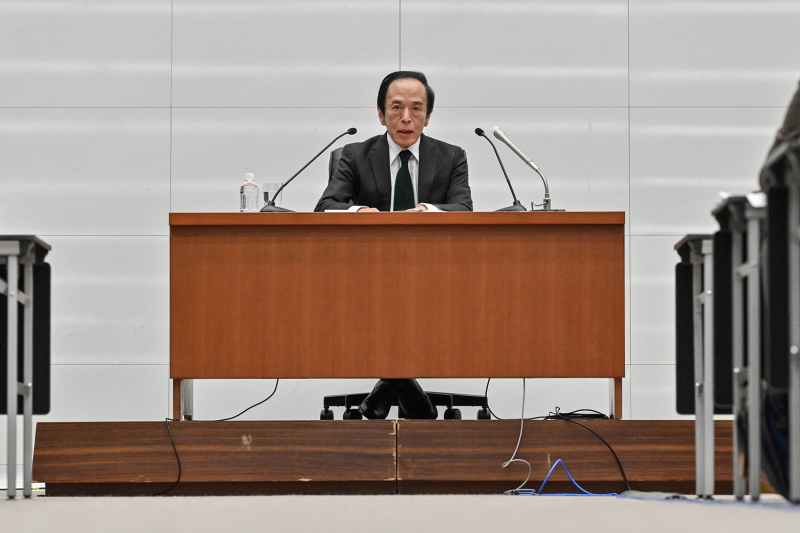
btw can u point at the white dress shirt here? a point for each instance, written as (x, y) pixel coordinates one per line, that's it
(394, 168)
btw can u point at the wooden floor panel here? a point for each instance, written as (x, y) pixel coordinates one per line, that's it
(466, 456)
(332, 457)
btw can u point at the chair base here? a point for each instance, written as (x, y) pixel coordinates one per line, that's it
(439, 399)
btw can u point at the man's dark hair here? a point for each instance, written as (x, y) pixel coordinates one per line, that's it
(402, 75)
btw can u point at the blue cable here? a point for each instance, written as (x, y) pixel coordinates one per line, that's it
(585, 492)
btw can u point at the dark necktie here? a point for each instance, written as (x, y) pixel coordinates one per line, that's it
(403, 190)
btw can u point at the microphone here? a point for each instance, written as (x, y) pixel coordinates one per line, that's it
(516, 206)
(502, 136)
(271, 207)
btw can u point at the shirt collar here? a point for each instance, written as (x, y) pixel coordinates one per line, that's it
(395, 149)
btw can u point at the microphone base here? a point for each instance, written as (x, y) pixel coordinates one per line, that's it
(516, 207)
(546, 205)
(272, 208)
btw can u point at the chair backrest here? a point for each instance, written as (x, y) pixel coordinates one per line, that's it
(334, 162)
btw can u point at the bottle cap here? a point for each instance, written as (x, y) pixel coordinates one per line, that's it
(249, 176)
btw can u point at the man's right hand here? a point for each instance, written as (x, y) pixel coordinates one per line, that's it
(367, 210)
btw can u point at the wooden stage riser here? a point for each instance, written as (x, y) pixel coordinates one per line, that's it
(367, 457)
(552, 487)
(360, 488)
(274, 488)
(465, 458)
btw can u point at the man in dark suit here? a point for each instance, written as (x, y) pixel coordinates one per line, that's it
(435, 175)
(401, 170)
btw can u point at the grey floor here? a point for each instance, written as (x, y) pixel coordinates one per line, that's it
(383, 514)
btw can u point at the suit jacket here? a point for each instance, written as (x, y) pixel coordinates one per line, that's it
(362, 176)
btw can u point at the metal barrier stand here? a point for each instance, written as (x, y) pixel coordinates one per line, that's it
(13, 254)
(791, 179)
(703, 262)
(754, 216)
(738, 230)
(701, 257)
(747, 215)
(782, 169)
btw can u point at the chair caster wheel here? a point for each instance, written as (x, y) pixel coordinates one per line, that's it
(452, 414)
(326, 414)
(352, 414)
(484, 414)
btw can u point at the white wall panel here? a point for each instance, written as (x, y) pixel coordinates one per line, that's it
(582, 152)
(212, 149)
(653, 393)
(84, 171)
(314, 53)
(681, 159)
(101, 393)
(110, 300)
(713, 52)
(295, 399)
(88, 53)
(652, 289)
(545, 395)
(519, 53)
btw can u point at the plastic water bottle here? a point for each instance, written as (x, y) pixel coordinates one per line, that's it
(248, 194)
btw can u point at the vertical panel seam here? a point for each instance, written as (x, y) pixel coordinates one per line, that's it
(171, 81)
(630, 225)
(399, 34)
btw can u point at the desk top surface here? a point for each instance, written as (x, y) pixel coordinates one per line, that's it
(409, 219)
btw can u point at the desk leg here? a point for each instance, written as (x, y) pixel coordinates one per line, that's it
(615, 397)
(11, 375)
(176, 399)
(182, 399)
(27, 385)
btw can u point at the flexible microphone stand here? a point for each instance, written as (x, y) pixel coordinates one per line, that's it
(546, 206)
(517, 206)
(271, 207)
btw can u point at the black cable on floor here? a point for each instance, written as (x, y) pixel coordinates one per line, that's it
(172, 440)
(583, 414)
(622, 470)
(177, 458)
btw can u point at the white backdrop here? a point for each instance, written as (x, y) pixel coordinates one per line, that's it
(115, 112)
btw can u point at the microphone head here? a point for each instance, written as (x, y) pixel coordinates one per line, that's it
(479, 132)
(497, 132)
(352, 131)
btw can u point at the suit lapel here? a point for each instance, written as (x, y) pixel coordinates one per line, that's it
(379, 160)
(427, 168)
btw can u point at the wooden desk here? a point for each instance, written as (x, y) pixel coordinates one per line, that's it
(397, 295)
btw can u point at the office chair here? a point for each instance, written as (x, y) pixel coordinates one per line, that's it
(439, 399)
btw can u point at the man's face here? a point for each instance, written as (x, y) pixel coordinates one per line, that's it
(406, 111)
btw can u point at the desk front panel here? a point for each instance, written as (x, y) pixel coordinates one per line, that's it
(392, 301)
